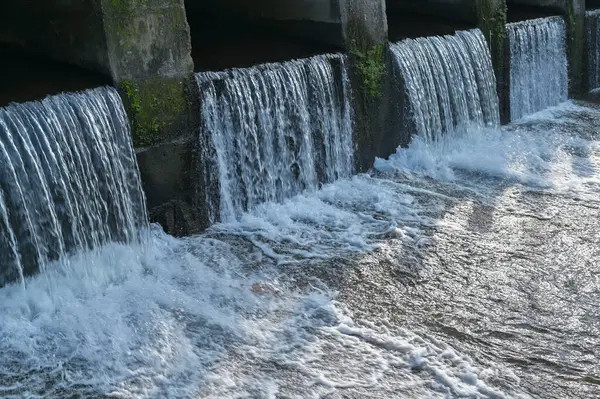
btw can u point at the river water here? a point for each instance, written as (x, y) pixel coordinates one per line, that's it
(460, 267)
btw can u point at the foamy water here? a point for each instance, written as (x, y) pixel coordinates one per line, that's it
(218, 315)
(547, 150)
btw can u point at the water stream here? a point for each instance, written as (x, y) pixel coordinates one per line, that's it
(450, 82)
(273, 131)
(464, 266)
(538, 65)
(68, 179)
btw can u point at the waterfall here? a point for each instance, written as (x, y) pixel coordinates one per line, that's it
(538, 65)
(272, 131)
(593, 48)
(68, 179)
(449, 81)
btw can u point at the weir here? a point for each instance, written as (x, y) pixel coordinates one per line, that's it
(273, 131)
(450, 82)
(315, 263)
(538, 65)
(68, 179)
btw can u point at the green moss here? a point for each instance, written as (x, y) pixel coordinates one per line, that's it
(153, 107)
(371, 66)
(491, 18)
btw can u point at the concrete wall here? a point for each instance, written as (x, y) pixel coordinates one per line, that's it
(460, 10)
(374, 91)
(312, 10)
(592, 4)
(145, 47)
(67, 30)
(317, 20)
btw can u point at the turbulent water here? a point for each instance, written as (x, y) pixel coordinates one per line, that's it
(593, 48)
(460, 267)
(273, 131)
(450, 82)
(538, 65)
(68, 179)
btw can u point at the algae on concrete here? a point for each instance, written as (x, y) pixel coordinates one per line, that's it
(491, 19)
(154, 105)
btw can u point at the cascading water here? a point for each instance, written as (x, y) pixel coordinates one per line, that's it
(450, 82)
(538, 65)
(273, 131)
(68, 179)
(592, 25)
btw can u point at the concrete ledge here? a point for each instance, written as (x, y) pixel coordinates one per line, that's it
(169, 180)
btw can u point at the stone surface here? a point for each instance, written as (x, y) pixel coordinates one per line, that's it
(375, 95)
(460, 10)
(147, 38)
(168, 175)
(317, 20)
(149, 51)
(491, 19)
(575, 16)
(66, 30)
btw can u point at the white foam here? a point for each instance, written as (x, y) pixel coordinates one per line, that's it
(119, 319)
(341, 218)
(210, 318)
(547, 150)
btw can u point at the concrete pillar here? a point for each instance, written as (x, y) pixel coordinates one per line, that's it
(357, 26)
(364, 32)
(591, 63)
(149, 53)
(145, 48)
(575, 17)
(491, 19)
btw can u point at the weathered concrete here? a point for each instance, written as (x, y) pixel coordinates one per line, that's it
(460, 10)
(575, 14)
(376, 95)
(591, 67)
(491, 19)
(67, 30)
(149, 51)
(145, 49)
(318, 20)
(168, 169)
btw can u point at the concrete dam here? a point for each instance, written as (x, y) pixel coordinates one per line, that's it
(303, 198)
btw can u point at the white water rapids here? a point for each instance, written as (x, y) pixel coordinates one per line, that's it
(254, 308)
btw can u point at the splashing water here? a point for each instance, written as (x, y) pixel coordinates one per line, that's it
(68, 179)
(273, 131)
(538, 65)
(450, 82)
